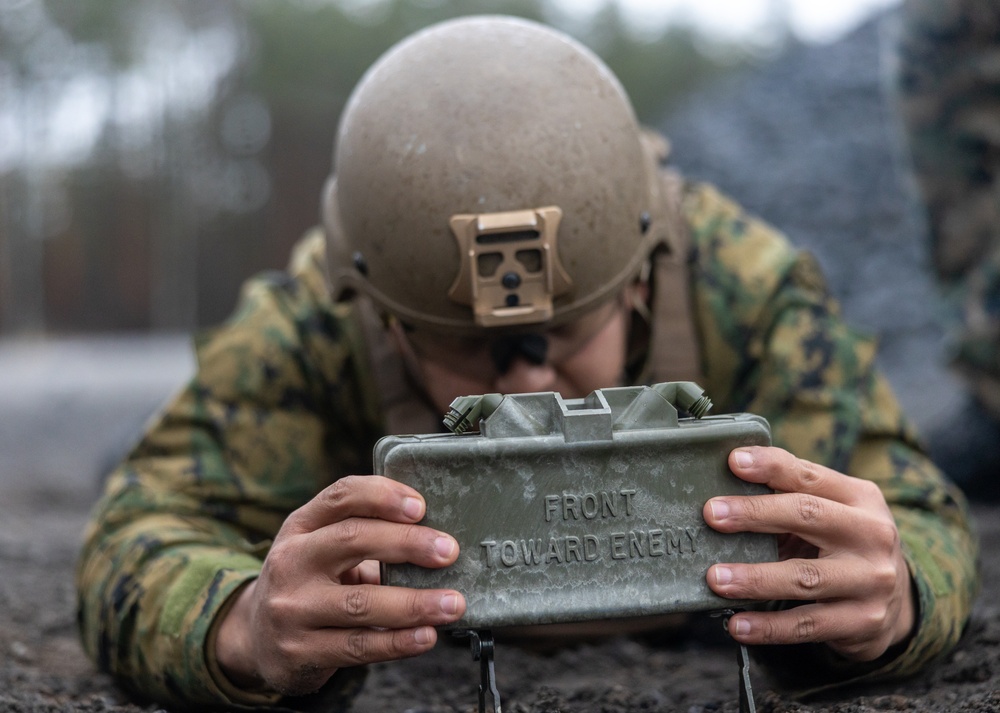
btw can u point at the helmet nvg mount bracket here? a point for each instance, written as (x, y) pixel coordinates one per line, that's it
(489, 173)
(509, 268)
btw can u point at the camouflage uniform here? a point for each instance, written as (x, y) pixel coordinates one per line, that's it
(281, 406)
(948, 95)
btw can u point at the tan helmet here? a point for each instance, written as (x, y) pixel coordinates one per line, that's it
(489, 172)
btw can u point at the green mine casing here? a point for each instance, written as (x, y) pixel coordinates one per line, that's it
(571, 510)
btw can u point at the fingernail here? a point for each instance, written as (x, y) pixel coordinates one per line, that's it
(412, 508)
(723, 575)
(744, 459)
(424, 635)
(444, 546)
(449, 603)
(739, 627)
(720, 509)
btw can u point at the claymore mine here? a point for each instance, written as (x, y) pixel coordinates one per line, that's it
(574, 510)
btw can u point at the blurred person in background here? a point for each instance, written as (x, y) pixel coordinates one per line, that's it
(233, 557)
(948, 96)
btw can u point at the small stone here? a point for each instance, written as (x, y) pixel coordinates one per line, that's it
(21, 652)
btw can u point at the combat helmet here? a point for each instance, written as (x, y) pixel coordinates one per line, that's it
(489, 172)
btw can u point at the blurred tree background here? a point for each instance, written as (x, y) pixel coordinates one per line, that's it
(155, 153)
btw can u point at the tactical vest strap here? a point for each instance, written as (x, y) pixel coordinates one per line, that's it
(674, 353)
(404, 410)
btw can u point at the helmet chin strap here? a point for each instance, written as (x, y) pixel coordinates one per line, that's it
(532, 347)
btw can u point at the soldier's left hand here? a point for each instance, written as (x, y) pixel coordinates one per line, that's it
(839, 554)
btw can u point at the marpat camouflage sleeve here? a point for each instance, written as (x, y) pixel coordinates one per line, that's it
(774, 344)
(272, 416)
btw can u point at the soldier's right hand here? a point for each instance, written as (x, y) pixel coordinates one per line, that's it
(318, 605)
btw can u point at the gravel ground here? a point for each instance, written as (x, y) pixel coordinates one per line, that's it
(806, 143)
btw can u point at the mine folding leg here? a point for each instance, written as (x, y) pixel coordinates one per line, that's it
(743, 666)
(746, 690)
(482, 651)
